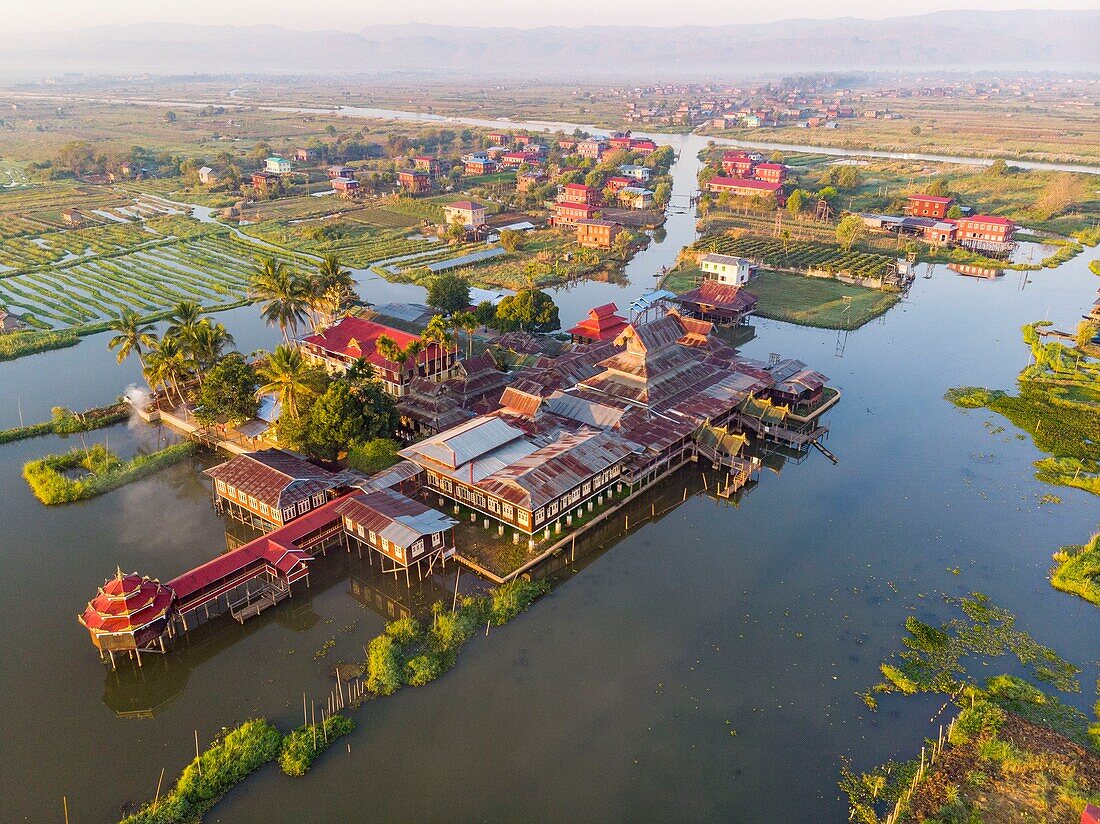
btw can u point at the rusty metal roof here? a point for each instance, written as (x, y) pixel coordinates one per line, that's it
(275, 477)
(400, 520)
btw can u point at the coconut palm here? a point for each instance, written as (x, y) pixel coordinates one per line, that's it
(284, 294)
(436, 332)
(387, 347)
(286, 375)
(185, 319)
(208, 343)
(169, 366)
(412, 352)
(467, 322)
(332, 284)
(133, 336)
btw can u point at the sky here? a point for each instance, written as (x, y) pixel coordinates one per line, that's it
(352, 15)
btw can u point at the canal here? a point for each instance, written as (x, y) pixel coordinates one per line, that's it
(703, 668)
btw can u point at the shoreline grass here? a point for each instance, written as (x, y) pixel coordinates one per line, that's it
(1077, 570)
(67, 422)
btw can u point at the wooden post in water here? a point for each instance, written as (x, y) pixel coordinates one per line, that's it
(454, 603)
(64, 798)
(156, 798)
(197, 761)
(305, 715)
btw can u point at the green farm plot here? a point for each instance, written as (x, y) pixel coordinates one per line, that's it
(357, 244)
(211, 270)
(799, 255)
(810, 301)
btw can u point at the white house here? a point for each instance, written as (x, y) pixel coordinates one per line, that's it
(207, 176)
(468, 212)
(278, 165)
(727, 269)
(642, 173)
(635, 197)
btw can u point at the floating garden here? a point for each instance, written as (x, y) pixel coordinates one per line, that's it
(800, 255)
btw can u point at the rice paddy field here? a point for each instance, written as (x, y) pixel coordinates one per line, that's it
(211, 269)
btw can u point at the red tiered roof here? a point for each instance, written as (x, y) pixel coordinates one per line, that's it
(129, 604)
(601, 324)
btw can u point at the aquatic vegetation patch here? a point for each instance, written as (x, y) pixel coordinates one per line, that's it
(18, 344)
(66, 422)
(104, 471)
(1077, 570)
(232, 757)
(302, 746)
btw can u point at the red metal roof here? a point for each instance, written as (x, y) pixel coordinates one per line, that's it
(1000, 221)
(355, 338)
(277, 549)
(465, 205)
(274, 477)
(740, 183)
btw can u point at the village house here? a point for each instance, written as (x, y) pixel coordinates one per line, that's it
(579, 193)
(335, 349)
(512, 160)
(568, 145)
(272, 487)
(596, 234)
(727, 269)
(424, 163)
(591, 148)
(643, 147)
(72, 216)
(414, 182)
(602, 324)
(640, 173)
(207, 176)
(277, 165)
(264, 181)
(307, 154)
(402, 530)
(635, 197)
(475, 166)
(988, 233)
(746, 188)
(929, 206)
(567, 214)
(9, 322)
(347, 186)
(522, 139)
(467, 212)
(737, 164)
(340, 171)
(717, 302)
(499, 138)
(771, 172)
(529, 180)
(617, 183)
(620, 140)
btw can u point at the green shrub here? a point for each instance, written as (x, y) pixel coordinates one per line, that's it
(383, 665)
(510, 599)
(1011, 688)
(373, 456)
(302, 746)
(423, 669)
(222, 765)
(449, 631)
(404, 630)
(982, 719)
(969, 397)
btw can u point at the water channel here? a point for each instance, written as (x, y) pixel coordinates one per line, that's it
(703, 668)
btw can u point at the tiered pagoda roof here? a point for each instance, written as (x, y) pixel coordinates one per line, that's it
(129, 612)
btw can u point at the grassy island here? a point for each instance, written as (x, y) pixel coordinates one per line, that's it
(98, 471)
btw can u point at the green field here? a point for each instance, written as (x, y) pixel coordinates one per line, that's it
(817, 302)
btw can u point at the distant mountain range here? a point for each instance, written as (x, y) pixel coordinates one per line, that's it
(1026, 40)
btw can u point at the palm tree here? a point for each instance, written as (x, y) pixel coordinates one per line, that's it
(332, 284)
(286, 375)
(412, 351)
(169, 366)
(467, 323)
(284, 293)
(133, 335)
(184, 320)
(208, 343)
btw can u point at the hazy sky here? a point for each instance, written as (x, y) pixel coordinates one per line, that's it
(351, 15)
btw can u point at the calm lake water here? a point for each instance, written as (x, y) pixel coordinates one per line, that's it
(615, 698)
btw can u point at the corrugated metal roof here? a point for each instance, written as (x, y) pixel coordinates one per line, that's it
(400, 520)
(466, 260)
(583, 410)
